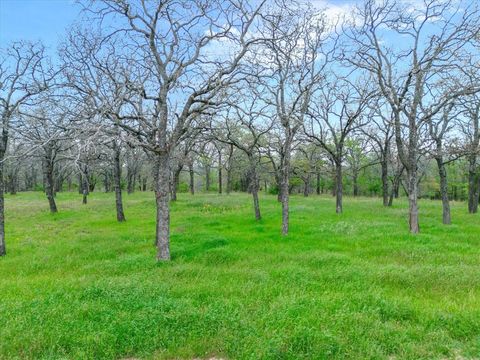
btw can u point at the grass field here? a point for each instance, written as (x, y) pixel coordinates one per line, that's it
(78, 285)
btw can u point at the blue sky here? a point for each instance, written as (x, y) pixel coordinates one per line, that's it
(46, 20)
(32, 20)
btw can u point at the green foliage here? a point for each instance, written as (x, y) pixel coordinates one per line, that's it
(79, 285)
(375, 187)
(273, 190)
(182, 187)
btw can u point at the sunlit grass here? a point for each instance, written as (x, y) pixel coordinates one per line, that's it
(79, 285)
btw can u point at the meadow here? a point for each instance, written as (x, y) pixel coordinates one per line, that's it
(79, 285)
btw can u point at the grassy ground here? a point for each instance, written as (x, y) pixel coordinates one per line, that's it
(78, 285)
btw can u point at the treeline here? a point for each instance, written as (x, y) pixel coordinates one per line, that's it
(224, 171)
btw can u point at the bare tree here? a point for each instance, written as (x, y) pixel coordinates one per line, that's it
(430, 34)
(380, 131)
(23, 75)
(295, 54)
(336, 110)
(244, 127)
(47, 130)
(170, 44)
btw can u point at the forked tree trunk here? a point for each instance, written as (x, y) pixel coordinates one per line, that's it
(162, 183)
(442, 172)
(339, 188)
(117, 176)
(413, 201)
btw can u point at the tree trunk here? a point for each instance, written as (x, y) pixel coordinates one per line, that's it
(106, 182)
(175, 183)
(306, 186)
(355, 184)
(130, 182)
(85, 188)
(390, 199)
(13, 182)
(285, 182)
(192, 179)
(162, 184)
(229, 180)
(384, 165)
(318, 183)
(220, 180)
(207, 178)
(80, 183)
(3, 249)
(48, 174)
(339, 187)
(117, 178)
(473, 188)
(284, 195)
(278, 179)
(413, 201)
(254, 186)
(442, 172)
(396, 190)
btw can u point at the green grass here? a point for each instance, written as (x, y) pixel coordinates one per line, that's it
(78, 285)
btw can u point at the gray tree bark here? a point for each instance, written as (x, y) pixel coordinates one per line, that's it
(117, 175)
(473, 188)
(3, 248)
(192, 179)
(285, 180)
(413, 200)
(339, 187)
(254, 186)
(162, 183)
(207, 178)
(318, 183)
(442, 172)
(48, 174)
(220, 180)
(384, 165)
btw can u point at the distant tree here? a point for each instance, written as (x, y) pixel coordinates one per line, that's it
(431, 34)
(24, 74)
